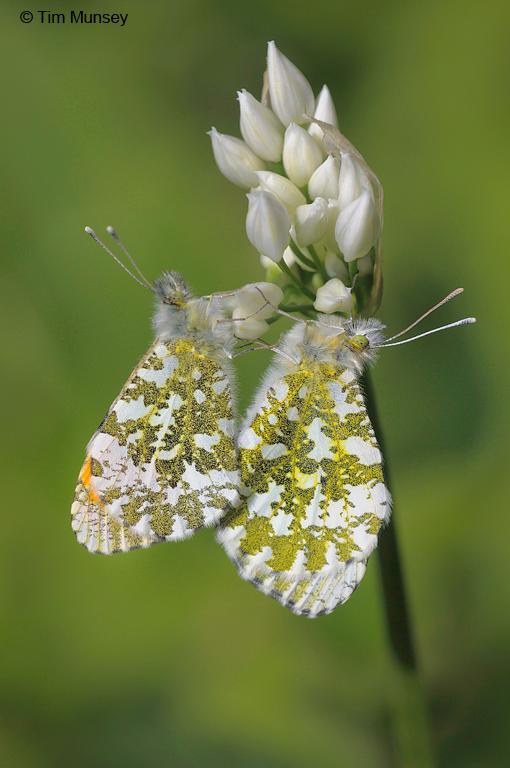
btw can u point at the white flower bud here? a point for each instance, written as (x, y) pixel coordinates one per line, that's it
(283, 188)
(311, 221)
(301, 155)
(248, 329)
(260, 128)
(235, 159)
(329, 237)
(351, 181)
(290, 92)
(267, 224)
(324, 111)
(335, 267)
(357, 227)
(258, 299)
(324, 180)
(333, 296)
(253, 304)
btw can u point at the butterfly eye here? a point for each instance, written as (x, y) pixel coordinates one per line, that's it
(358, 343)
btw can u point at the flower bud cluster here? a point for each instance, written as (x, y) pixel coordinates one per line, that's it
(313, 204)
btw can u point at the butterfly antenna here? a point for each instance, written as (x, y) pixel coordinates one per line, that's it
(114, 234)
(94, 237)
(446, 299)
(464, 321)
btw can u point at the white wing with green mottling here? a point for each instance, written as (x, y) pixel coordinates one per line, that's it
(163, 462)
(315, 493)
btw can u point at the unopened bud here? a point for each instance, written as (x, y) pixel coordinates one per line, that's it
(290, 92)
(284, 189)
(260, 128)
(324, 180)
(324, 111)
(352, 180)
(333, 296)
(235, 159)
(301, 155)
(253, 305)
(311, 221)
(357, 227)
(335, 267)
(267, 224)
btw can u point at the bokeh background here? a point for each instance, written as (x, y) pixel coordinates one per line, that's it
(165, 657)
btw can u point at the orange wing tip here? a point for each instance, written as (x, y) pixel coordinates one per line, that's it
(86, 479)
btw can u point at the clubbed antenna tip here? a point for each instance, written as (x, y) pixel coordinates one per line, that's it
(143, 282)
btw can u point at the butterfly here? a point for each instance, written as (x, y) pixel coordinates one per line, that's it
(311, 469)
(312, 479)
(163, 462)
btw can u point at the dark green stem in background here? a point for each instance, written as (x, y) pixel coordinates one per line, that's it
(409, 711)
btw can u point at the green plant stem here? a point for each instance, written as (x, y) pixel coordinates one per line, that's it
(409, 710)
(283, 266)
(297, 307)
(318, 264)
(300, 255)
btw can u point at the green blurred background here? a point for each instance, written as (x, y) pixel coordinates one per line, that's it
(165, 657)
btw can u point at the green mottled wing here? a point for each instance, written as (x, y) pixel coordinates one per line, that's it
(163, 462)
(315, 493)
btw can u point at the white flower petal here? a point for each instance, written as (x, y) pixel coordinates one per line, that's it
(267, 224)
(260, 128)
(324, 180)
(351, 181)
(301, 155)
(324, 111)
(334, 266)
(290, 92)
(257, 300)
(357, 227)
(311, 221)
(284, 189)
(235, 159)
(250, 329)
(333, 296)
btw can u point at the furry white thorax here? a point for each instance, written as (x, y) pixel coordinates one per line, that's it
(180, 315)
(329, 341)
(322, 343)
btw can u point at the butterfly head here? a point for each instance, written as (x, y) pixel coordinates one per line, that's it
(348, 342)
(172, 289)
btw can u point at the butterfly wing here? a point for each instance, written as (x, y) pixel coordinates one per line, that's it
(163, 463)
(316, 497)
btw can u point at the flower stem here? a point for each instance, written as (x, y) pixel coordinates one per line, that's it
(409, 709)
(283, 266)
(300, 255)
(318, 264)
